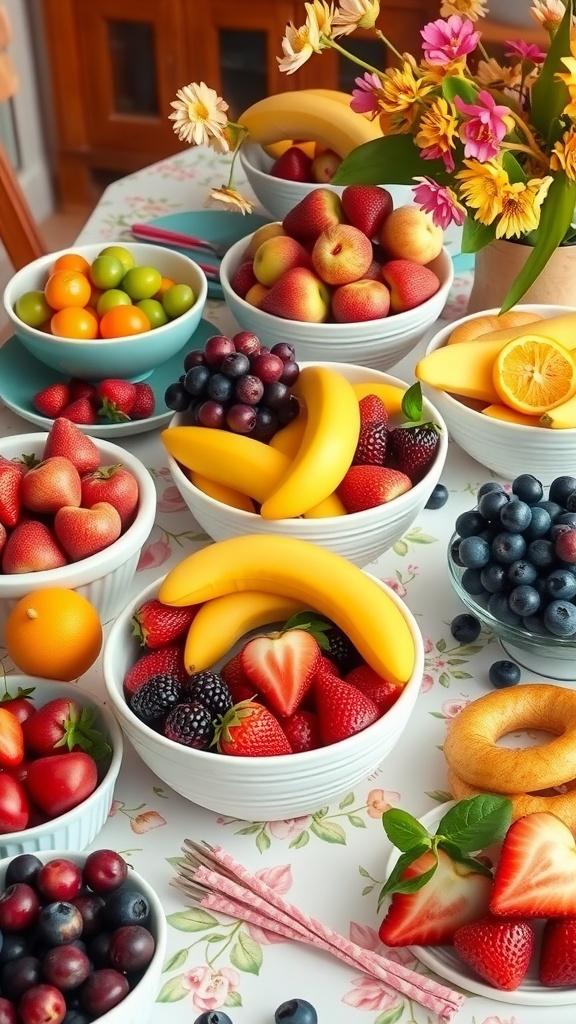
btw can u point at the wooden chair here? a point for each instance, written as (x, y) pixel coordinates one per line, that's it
(18, 230)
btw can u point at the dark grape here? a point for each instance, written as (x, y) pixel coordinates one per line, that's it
(289, 411)
(283, 349)
(275, 395)
(211, 414)
(268, 367)
(220, 388)
(240, 418)
(266, 424)
(235, 365)
(217, 348)
(194, 358)
(176, 397)
(290, 374)
(196, 380)
(246, 342)
(249, 389)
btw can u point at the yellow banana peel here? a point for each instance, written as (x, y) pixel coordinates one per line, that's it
(300, 115)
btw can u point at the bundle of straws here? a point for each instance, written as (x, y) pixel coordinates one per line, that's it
(216, 881)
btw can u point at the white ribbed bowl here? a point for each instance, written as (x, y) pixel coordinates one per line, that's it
(138, 1005)
(507, 449)
(76, 829)
(258, 789)
(379, 344)
(104, 578)
(360, 537)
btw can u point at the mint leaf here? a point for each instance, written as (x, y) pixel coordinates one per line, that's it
(395, 883)
(412, 403)
(455, 853)
(403, 830)
(477, 822)
(313, 625)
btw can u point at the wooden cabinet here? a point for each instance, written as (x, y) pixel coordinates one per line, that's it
(115, 65)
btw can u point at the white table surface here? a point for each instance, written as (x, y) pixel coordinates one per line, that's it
(332, 864)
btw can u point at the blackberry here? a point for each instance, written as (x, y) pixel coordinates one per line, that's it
(191, 725)
(341, 650)
(153, 700)
(209, 689)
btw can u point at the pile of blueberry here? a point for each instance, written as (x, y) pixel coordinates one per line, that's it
(237, 384)
(517, 553)
(73, 941)
(293, 1011)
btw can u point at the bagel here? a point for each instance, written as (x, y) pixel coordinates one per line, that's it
(563, 805)
(473, 757)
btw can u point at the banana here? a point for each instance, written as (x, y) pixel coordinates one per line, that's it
(227, 495)
(275, 149)
(289, 438)
(562, 417)
(315, 576)
(219, 623)
(327, 448)
(390, 394)
(298, 114)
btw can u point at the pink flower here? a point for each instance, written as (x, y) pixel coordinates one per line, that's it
(146, 821)
(439, 201)
(171, 501)
(370, 994)
(288, 829)
(379, 801)
(445, 41)
(428, 645)
(437, 153)
(487, 125)
(451, 708)
(210, 988)
(527, 51)
(499, 1020)
(115, 806)
(365, 96)
(427, 682)
(396, 586)
(154, 555)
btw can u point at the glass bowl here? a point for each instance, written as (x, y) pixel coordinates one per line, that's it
(543, 653)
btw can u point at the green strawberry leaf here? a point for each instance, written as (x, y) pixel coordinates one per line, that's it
(313, 625)
(404, 830)
(395, 883)
(478, 822)
(79, 731)
(412, 403)
(455, 853)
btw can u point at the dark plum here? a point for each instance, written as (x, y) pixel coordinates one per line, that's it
(15, 945)
(98, 949)
(131, 948)
(59, 879)
(18, 976)
(105, 871)
(8, 1014)
(22, 868)
(42, 1004)
(103, 990)
(19, 907)
(66, 967)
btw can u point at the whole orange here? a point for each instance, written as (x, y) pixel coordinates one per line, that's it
(55, 633)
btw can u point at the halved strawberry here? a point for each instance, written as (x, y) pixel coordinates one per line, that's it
(455, 895)
(281, 666)
(342, 710)
(498, 950)
(558, 953)
(536, 873)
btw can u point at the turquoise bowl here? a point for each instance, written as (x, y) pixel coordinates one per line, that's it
(130, 358)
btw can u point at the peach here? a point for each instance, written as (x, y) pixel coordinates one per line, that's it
(360, 300)
(342, 253)
(277, 255)
(298, 295)
(324, 166)
(261, 234)
(408, 233)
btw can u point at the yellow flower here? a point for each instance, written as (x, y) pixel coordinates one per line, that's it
(436, 73)
(563, 155)
(402, 94)
(521, 206)
(548, 13)
(471, 9)
(199, 116)
(299, 44)
(491, 73)
(353, 14)
(480, 187)
(438, 127)
(228, 195)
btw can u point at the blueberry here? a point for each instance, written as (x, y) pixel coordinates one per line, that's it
(535, 624)
(494, 578)
(196, 380)
(522, 571)
(126, 906)
(561, 584)
(516, 516)
(472, 582)
(499, 607)
(527, 488)
(567, 518)
(455, 552)
(438, 498)
(560, 618)
(59, 923)
(524, 600)
(541, 553)
(571, 502)
(552, 507)
(504, 673)
(296, 1011)
(560, 488)
(15, 945)
(539, 524)
(465, 628)
(470, 523)
(490, 504)
(474, 552)
(508, 547)
(213, 1017)
(485, 488)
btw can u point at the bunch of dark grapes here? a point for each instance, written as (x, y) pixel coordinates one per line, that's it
(238, 384)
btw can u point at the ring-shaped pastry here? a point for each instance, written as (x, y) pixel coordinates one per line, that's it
(563, 805)
(473, 756)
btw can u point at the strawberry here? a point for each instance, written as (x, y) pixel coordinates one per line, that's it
(10, 493)
(380, 690)
(65, 439)
(342, 710)
(52, 400)
(144, 404)
(157, 625)
(243, 278)
(319, 209)
(80, 410)
(498, 950)
(85, 531)
(32, 547)
(116, 399)
(82, 389)
(454, 895)
(3, 538)
(413, 448)
(166, 660)
(251, 730)
(410, 284)
(366, 207)
(371, 447)
(367, 486)
(281, 666)
(113, 484)
(558, 952)
(236, 680)
(327, 665)
(372, 410)
(55, 482)
(293, 165)
(536, 873)
(301, 731)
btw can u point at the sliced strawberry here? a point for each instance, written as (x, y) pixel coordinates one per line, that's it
(165, 660)
(237, 681)
(157, 625)
(52, 400)
(372, 444)
(558, 953)
(281, 666)
(536, 873)
(383, 692)
(251, 730)
(64, 438)
(498, 950)
(372, 410)
(302, 731)
(10, 493)
(367, 486)
(342, 709)
(455, 895)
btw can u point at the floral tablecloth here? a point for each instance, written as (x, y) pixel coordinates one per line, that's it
(331, 863)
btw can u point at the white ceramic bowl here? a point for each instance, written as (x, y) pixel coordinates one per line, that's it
(375, 343)
(360, 537)
(139, 1004)
(507, 449)
(270, 789)
(103, 578)
(131, 358)
(76, 829)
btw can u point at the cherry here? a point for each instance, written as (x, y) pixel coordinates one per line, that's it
(42, 1004)
(59, 879)
(19, 906)
(20, 975)
(131, 948)
(8, 1013)
(22, 868)
(103, 990)
(91, 907)
(105, 871)
(65, 967)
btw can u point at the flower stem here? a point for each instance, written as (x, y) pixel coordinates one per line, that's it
(355, 60)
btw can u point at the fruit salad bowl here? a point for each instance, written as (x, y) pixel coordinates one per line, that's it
(131, 357)
(506, 448)
(378, 344)
(76, 828)
(256, 788)
(102, 578)
(141, 985)
(361, 536)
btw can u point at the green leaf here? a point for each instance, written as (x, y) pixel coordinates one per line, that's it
(346, 801)
(390, 1016)
(400, 547)
(452, 87)
(404, 830)
(263, 842)
(412, 403)
(177, 959)
(246, 954)
(329, 832)
(444, 679)
(176, 862)
(439, 795)
(555, 219)
(513, 169)
(549, 94)
(356, 821)
(476, 235)
(310, 622)
(394, 882)
(477, 822)
(233, 999)
(301, 841)
(394, 159)
(455, 853)
(172, 991)
(193, 920)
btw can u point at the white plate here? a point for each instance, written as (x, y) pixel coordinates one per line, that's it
(447, 964)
